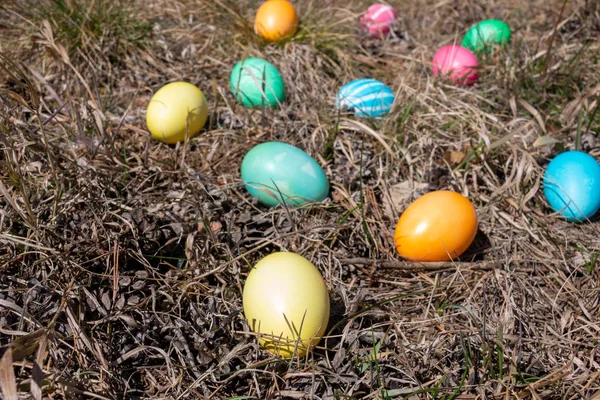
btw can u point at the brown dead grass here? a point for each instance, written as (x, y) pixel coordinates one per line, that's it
(123, 259)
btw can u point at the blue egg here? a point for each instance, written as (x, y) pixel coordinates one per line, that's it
(572, 185)
(367, 97)
(276, 172)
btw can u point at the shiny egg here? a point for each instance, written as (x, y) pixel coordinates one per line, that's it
(276, 20)
(277, 172)
(572, 185)
(366, 98)
(286, 302)
(456, 63)
(438, 226)
(257, 83)
(175, 109)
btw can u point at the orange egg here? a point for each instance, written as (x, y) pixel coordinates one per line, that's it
(275, 20)
(438, 226)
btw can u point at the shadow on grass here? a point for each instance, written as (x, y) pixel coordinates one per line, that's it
(478, 249)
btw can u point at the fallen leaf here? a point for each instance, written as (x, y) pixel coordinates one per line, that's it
(215, 226)
(8, 384)
(454, 157)
(544, 141)
(400, 196)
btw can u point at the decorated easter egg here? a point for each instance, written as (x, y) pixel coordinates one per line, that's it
(257, 83)
(487, 34)
(366, 97)
(456, 63)
(378, 20)
(438, 226)
(276, 20)
(572, 185)
(277, 172)
(175, 109)
(286, 301)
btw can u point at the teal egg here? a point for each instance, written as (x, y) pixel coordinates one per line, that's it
(276, 171)
(484, 35)
(257, 83)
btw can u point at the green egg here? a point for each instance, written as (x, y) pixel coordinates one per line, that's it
(486, 34)
(257, 83)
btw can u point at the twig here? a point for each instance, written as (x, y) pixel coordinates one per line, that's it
(47, 120)
(549, 52)
(428, 266)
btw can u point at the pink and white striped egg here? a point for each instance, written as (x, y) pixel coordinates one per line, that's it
(378, 19)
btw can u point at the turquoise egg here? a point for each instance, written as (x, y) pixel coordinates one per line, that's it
(276, 171)
(572, 185)
(367, 97)
(257, 83)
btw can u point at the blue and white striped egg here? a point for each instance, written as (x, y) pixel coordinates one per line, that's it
(367, 97)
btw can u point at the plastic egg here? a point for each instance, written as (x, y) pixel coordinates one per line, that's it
(257, 83)
(378, 20)
(486, 34)
(367, 97)
(176, 108)
(438, 226)
(286, 301)
(276, 20)
(572, 185)
(457, 63)
(276, 172)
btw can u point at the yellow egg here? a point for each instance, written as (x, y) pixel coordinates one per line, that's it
(287, 303)
(175, 109)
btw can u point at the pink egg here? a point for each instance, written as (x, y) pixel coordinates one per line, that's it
(457, 63)
(377, 20)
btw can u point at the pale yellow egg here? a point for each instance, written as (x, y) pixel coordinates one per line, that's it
(286, 301)
(175, 109)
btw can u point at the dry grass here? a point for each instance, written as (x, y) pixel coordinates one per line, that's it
(123, 259)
